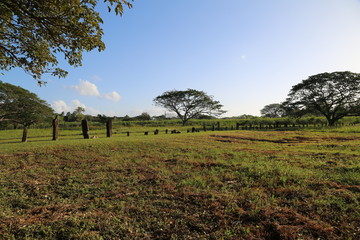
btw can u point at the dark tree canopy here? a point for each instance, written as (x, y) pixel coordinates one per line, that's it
(19, 106)
(334, 95)
(274, 110)
(33, 32)
(189, 104)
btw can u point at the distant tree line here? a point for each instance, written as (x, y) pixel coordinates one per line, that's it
(78, 114)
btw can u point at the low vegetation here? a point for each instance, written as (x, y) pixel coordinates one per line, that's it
(208, 185)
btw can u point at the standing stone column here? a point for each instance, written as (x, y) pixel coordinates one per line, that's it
(109, 128)
(85, 129)
(55, 124)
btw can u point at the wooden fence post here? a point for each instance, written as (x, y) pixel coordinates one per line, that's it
(218, 126)
(55, 124)
(128, 134)
(109, 128)
(85, 129)
(237, 126)
(213, 127)
(204, 127)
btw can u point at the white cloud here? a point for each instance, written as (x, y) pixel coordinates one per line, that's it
(86, 88)
(60, 106)
(91, 111)
(76, 103)
(113, 96)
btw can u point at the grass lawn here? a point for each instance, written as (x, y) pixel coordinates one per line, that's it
(208, 185)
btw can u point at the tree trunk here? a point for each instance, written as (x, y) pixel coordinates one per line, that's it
(25, 132)
(331, 121)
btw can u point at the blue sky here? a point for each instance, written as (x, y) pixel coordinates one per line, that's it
(245, 53)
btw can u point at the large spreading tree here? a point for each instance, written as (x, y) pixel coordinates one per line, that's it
(334, 95)
(34, 32)
(189, 104)
(19, 106)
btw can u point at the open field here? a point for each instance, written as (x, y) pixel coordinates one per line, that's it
(208, 185)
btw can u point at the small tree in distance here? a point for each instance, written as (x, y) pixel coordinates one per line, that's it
(79, 113)
(334, 95)
(142, 117)
(189, 104)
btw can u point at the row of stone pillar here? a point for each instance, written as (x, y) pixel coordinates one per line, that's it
(84, 127)
(109, 125)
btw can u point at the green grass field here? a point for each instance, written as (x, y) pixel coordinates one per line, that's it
(208, 185)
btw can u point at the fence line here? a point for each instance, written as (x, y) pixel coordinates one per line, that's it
(214, 127)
